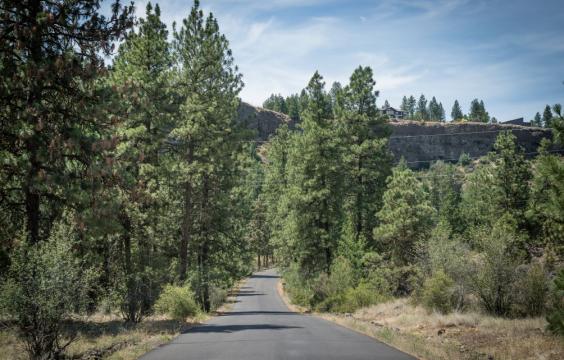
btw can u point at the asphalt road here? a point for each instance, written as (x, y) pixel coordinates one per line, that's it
(260, 327)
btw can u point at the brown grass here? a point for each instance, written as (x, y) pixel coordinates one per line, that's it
(108, 337)
(105, 336)
(470, 335)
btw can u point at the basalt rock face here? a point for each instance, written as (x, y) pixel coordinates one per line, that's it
(419, 143)
(263, 121)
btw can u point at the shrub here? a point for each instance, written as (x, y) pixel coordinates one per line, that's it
(464, 159)
(218, 296)
(555, 315)
(362, 296)
(438, 293)
(494, 280)
(530, 291)
(448, 254)
(44, 286)
(177, 302)
(342, 276)
(298, 289)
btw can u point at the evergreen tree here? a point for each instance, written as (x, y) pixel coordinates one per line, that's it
(456, 113)
(406, 216)
(405, 105)
(478, 112)
(312, 225)
(209, 84)
(51, 56)
(537, 121)
(422, 113)
(293, 105)
(547, 116)
(141, 72)
(386, 104)
(367, 161)
(411, 106)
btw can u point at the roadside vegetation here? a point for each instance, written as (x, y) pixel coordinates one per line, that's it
(481, 239)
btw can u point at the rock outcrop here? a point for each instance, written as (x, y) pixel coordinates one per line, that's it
(419, 143)
(263, 121)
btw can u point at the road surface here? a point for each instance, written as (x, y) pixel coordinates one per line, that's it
(260, 327)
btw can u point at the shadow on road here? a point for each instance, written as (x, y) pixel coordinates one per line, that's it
(207, 328)
(257, 276)
(236, 313)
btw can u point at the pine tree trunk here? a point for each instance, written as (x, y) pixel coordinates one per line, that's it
(186, 225)
(32, 198)
(131, 308)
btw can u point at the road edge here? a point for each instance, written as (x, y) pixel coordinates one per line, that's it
(385, 335)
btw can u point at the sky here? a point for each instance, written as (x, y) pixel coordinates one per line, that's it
(509, 53)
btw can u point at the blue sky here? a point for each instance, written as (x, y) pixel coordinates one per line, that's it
(510, 53)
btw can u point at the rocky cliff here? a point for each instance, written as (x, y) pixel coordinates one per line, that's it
(420, 143)
(417, 142)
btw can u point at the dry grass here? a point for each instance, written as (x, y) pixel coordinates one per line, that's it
(470, 335)
(458, 335)
(106, 336)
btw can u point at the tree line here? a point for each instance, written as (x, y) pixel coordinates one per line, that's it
(117, 181)
(414, 109)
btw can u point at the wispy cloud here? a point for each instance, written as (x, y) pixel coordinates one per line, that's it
(496, 50)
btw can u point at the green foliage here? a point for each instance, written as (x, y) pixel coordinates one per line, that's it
(493, 282)
(366, 159)
(456, 113)
(177, 302)
(445, 253)
(464, 159)
(45, 284)
(438, 293)
(545, 208)
(555, 316)
(406, 216)
(478, 112)
(530, 290)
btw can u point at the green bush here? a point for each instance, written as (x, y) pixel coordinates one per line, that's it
(177, 302)
(298, 289)
(45, 285)
(494, 279)
(438, 293)
(530, 291)
(447, 253)
(555, 315)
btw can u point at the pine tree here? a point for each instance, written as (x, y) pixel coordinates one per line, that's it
(51, 55)
(537, 121)
(441, 113)
(312, 225)
(456, 113)
(406, 216)
(411, 106)
(421, 113)
(547, 116)
(478, 112)
(405, 105)
(209, 84)
(367, 161)
(140, 72)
